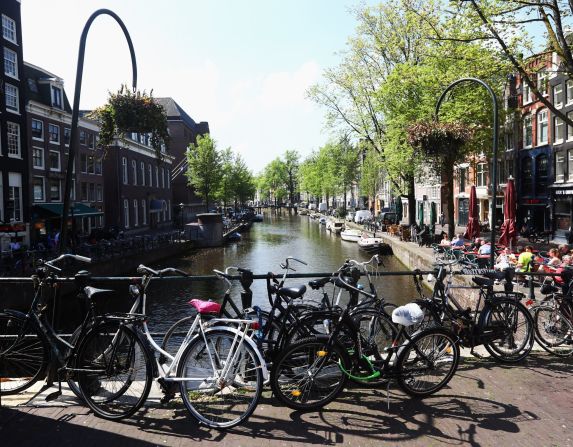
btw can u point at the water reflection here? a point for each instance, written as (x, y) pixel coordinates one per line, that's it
(262, 249)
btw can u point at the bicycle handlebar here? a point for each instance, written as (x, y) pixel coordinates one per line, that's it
(142, 269)
(351, 287)
(51, 265)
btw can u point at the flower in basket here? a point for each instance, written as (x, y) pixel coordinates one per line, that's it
(127, 111)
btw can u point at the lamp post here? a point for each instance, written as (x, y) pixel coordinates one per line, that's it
(76, 111)
(494, 147)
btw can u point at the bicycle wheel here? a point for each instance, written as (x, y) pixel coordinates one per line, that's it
(553, 331)
(24, 354)
(213, 399)
(513, 325)
(72, 384)
(427, 362)
(115, 371)
(307, 376)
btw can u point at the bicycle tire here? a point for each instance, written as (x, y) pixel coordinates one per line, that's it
(439, 346)
(114, 371)
(24, 353)
(553, 331)
(293, 380)
(506, 313)
(209, 398)
(72, 384)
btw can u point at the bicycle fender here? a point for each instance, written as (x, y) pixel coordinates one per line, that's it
(247, 340)
(15, 313)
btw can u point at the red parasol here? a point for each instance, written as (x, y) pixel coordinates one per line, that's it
(472, 229)
(508, 232)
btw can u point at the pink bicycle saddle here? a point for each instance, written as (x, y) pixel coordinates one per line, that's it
(205, 307)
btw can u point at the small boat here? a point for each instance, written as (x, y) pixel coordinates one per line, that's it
(351, 235)
(334, 226)
(322, 221)
(370, 243)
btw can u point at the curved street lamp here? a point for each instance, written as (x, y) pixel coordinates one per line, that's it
(76, 111)
(494, 147)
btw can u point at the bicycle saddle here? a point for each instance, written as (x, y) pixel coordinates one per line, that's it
(316, 284)
(205, 307)
(483, 282)
(94, 292)
(293, 292)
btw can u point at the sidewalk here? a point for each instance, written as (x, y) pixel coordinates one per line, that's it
(485, 404)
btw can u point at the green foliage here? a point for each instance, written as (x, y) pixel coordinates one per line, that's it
(205, 167)
(127, 111)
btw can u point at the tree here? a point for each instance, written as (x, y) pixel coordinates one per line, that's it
(244, 186)
(204, 171)
(291, 166)
(225, 192)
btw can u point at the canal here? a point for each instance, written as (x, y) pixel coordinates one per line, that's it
(262, 249)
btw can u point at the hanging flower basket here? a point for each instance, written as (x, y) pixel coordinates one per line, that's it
(435, 139)
(127, 112)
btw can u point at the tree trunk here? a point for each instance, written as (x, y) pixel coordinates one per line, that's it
(447, 198)
(411, 200)
(344, 204)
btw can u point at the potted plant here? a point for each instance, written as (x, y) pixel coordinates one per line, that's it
(131, 111)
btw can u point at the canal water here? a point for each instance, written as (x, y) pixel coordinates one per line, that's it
(262, 249)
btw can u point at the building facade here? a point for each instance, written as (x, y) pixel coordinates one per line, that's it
(49, 120)
(138, 196)
(14, 181)
(183, 131)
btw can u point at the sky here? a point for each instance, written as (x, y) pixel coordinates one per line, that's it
(242, 65)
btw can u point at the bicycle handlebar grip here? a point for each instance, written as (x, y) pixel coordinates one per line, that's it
(83, 258)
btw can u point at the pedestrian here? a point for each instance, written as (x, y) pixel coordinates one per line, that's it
(485, 248)
(442, 219)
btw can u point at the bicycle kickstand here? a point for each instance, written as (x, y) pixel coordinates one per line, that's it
(53, 396)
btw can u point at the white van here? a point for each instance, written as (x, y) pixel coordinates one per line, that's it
(311, 206)
(322, 207)
(362, 215)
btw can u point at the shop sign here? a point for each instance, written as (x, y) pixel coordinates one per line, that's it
(564, 192)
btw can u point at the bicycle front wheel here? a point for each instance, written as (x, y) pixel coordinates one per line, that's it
(553, 331)
(222, 379)
(114, 371)
(427, 362)
(24, 354)
(308, 374)
(513, 325)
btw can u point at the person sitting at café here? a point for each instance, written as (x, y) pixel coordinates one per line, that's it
(476, 244)
(445, 240)
(554, 260)
(525, 260)
(563, 250)
(458, 240)
(485, 248)
(503, 261)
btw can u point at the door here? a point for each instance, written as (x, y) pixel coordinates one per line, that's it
(463, 211)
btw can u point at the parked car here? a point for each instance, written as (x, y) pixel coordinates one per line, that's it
(312, 206)
(350, 216)
(362, 215)
(322, 207)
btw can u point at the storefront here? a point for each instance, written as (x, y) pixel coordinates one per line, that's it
(561, 207)
(46, 218)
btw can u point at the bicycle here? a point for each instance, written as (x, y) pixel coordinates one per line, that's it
(218, 367)
(312, 372)
(29, 343)
(502, 325)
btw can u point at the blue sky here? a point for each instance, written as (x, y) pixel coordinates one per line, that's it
(243, 66)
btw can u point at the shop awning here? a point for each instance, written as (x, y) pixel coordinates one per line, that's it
(156, 206)
(54, 210)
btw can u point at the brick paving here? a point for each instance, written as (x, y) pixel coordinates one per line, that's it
(486, 404)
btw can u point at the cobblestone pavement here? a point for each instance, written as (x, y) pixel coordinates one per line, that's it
(486, 404)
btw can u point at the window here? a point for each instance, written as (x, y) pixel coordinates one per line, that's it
(463, 172)
(91, 140)
(37, 129)
(99, 193)
(542, 127)
(67, 135)
(126, 213)
(509, 168)
(9, 29)
(97, 166)
(157, 176)
(481, 174)
(38, 185)
(91, 192)
(142, 169)
(84, 163)
(542, 78)
(14, 204)
(38, 157)
(502, 179)
(162, 177)
(57, 97)
(10, 63)
(12, 98)
(135, 213)
(526, 175)
(55, 195)
(558, 96)
(559, 133)
(84, 191)
(168, 178)
(83, 137)
(54, 133)
(541, 173)
(510, 141)
(569, 166)
(143, 213)
(169, 207)
(55, 161)
(150, 178)
(134, 171)
(13, 132)
(527, 131)
(124, 170)
(569, 87)
(526, 93)
(91, 168)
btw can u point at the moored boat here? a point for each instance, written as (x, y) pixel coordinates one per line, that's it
(351, 235)
(334, 225)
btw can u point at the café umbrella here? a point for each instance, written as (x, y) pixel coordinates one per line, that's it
(472, 229)
(508, 232)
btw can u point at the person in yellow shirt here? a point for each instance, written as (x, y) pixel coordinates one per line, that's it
(525, 260)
